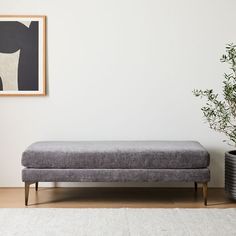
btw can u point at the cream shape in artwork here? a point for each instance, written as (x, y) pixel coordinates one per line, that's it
(9, 70)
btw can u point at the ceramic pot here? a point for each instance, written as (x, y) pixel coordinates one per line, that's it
(230, 174)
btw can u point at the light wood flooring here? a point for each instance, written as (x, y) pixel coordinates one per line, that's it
(114, 198)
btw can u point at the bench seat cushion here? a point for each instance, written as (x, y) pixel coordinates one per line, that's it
(116, 155)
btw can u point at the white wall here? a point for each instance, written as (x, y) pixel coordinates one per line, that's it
(120, 70)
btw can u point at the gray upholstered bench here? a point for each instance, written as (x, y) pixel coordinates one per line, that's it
(118, 161)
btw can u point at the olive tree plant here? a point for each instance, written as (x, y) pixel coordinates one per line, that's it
(220, 111)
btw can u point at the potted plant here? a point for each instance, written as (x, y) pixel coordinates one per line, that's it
(220, 113)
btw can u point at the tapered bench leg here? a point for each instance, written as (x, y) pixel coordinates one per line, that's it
(27, 185)
(27, 188)
(195, 186)
(204, 188)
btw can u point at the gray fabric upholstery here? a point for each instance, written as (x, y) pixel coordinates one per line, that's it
(116, 155)
(115, 175)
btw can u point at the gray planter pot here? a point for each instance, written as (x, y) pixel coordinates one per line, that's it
(230, 174)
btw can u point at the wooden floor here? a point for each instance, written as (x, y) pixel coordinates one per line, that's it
(114, 198)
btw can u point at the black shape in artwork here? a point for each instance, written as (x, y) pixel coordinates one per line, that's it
(14, 36)
(1, 86)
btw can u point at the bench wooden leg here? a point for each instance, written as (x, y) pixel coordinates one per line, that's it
(27, 188)
(204, 188)
(195, 186)
(27, 185)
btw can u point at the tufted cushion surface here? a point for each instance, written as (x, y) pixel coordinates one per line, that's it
(116, 155)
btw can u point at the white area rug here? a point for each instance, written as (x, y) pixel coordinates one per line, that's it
(114, 222)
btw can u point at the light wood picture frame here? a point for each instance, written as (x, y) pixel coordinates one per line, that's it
(22, 55)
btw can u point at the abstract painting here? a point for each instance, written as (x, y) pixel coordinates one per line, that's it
(22, 55)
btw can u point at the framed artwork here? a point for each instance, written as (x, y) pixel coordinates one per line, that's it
(22, 55)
